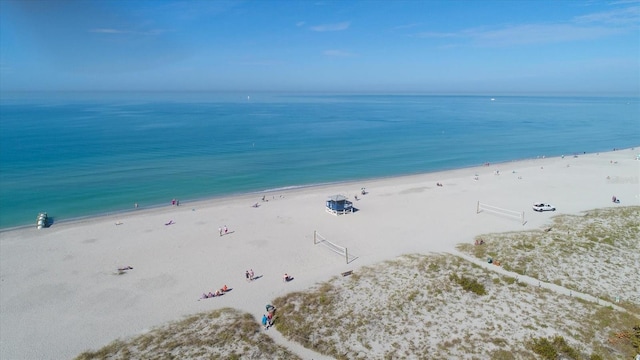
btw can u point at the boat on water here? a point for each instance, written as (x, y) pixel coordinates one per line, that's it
(42, 220)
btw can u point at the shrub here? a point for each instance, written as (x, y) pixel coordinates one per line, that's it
(544, 348)
(468, 284)
(551, 348)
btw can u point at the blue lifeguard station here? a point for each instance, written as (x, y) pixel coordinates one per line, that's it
(338, 205)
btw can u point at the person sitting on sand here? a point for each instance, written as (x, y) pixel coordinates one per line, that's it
(224, 288)
(218, 293)
(285, 277)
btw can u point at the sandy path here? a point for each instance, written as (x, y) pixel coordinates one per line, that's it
(536, 282)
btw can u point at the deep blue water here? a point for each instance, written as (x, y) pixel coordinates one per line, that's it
(81, 154)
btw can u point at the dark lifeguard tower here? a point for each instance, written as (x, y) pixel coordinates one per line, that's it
(339, 205)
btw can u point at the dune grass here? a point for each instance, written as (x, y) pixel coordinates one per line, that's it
(440, 306)
(413, 307)
(220, 334)
(596, 253)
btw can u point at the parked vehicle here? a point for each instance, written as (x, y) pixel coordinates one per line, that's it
(540, 207)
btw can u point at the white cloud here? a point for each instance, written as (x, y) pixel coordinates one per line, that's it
(337, 53)
(536, 34)
(630, 15)
(434, 34)
(586, 27)
(300, 23)
(117, 31)
(107, 31)
(331, 27)
(407, 26)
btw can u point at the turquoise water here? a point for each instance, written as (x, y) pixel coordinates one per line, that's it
(82, 154)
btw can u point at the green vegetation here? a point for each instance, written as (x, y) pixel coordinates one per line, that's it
(589, 253)
(553, 348)
(423, 294)
(469, 284)
(220, 334)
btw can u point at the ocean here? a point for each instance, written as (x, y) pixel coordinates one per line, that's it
(86, 154)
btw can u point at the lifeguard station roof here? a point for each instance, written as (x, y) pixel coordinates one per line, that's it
(337, 198)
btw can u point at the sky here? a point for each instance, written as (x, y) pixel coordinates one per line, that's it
(429, 46)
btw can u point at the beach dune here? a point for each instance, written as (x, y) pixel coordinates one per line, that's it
(61, 292)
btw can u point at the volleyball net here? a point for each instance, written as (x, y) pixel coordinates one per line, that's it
(340, 250)
(511, 214)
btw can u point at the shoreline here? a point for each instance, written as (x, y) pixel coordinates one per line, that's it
(284, 189)
(74, 263)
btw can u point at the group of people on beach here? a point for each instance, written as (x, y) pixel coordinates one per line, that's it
(268, 318)
(124, 269)
(249, 275)
(218, 292)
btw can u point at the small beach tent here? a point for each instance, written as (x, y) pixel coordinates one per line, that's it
(338, 204)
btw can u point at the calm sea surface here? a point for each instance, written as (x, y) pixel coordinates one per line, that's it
(75, 155)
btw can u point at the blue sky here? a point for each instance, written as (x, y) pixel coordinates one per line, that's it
(462, 47)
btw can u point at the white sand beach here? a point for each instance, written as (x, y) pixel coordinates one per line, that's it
(61, 294)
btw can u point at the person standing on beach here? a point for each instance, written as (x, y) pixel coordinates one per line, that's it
(251, 275)
(247, 275)
(226, 229)
(220, 231)
(264, 321)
